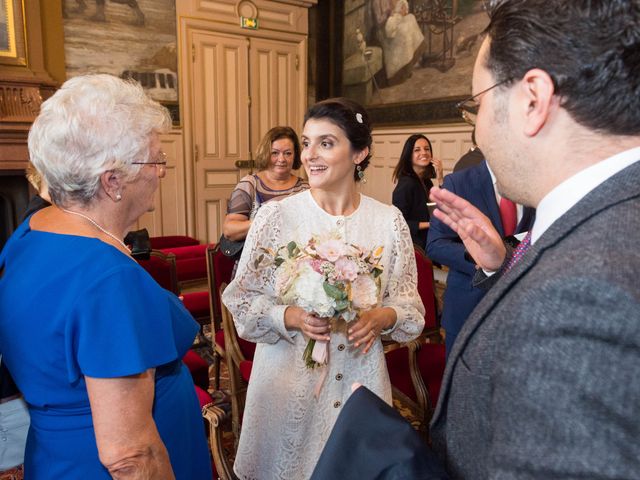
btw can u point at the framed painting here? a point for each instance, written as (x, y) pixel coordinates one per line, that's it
(128, 38)
(12, 33)
(410, 61)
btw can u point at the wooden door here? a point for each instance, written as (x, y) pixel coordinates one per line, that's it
(220, 109)
(274, 76)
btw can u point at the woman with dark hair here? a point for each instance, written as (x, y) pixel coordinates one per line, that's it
(414, 172)
(278, 154)
(290, 409)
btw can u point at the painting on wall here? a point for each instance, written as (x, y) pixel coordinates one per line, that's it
(12, 40)
(410, 61)
(128, 38)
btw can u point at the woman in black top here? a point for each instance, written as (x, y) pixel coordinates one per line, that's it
(413, 173)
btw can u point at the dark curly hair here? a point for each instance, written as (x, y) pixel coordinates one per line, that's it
(590, 49)
(352, 118)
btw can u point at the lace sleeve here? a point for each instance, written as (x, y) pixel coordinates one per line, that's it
(402, 290)
(251, 296)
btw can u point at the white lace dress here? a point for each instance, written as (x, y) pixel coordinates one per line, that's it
(285, 427)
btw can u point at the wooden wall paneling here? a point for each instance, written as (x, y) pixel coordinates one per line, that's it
(449, 143)
(386, 152)
(169, 216)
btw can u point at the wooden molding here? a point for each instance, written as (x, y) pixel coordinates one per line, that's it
(19, 103)
(278, 16)
(23, 88)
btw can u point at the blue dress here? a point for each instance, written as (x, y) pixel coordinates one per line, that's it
(71, 307)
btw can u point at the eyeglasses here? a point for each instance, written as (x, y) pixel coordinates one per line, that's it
(469, 107)
(161, 160)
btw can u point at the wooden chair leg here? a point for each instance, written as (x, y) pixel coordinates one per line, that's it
(236, 403)
(216, 370)
(216, 416)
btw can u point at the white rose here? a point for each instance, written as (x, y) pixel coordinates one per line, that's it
(364, 292)
(310, 294)
(285, 275)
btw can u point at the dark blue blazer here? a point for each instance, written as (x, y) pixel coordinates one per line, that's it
(444, 246)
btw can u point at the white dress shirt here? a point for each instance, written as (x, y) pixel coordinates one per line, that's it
(559, 200)
(519, 207)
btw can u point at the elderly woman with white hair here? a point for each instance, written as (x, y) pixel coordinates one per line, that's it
(93, 343)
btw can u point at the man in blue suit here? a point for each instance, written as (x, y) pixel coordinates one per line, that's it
(476, 185)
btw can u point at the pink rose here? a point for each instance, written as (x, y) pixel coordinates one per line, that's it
(365, 292)
(331, 249)
(316, 265)
(346, 270)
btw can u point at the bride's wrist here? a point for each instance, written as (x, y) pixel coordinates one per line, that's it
(292, 319)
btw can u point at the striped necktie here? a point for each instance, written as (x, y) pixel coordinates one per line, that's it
(520, 250)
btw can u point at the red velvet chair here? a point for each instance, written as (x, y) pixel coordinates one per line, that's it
(170, 241)
(426, 291)
(199, 369)
(431, 362)
(215, 416)
(220, 269)
(191, 263)
(416, 368)
(239, 359)
(162, 267)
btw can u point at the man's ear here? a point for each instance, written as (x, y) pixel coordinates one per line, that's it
(536, 92)
(112, 184)
(360, 156)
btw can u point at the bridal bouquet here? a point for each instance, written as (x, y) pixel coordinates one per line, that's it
(328, 278)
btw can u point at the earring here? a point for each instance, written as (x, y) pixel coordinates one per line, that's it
(118, 197)
(361, 174)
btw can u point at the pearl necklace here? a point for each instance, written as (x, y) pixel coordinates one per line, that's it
(95, 224)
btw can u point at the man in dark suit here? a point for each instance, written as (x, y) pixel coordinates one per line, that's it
(473, 157)
(444, 246)
(543, 379)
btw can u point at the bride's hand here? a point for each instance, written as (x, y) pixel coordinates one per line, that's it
(310, 325)
(367, 328)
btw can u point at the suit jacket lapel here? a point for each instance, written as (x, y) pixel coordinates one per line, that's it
(621, 187)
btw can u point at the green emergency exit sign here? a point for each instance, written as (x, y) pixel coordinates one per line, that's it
(248, 22)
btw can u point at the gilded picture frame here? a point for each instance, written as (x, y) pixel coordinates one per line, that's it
(12, 33)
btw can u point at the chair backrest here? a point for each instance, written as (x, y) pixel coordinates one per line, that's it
(231, 346)
(162, 267)
(241, 349)
(191, 263)
(169, 241)
(426, 289)
(219, 271)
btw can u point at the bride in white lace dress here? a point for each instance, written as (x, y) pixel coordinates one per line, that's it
(285, 426)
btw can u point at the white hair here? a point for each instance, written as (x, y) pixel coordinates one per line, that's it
(399, 5)
(93, 124)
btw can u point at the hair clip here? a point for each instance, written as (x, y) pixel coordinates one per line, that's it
(359, 117)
